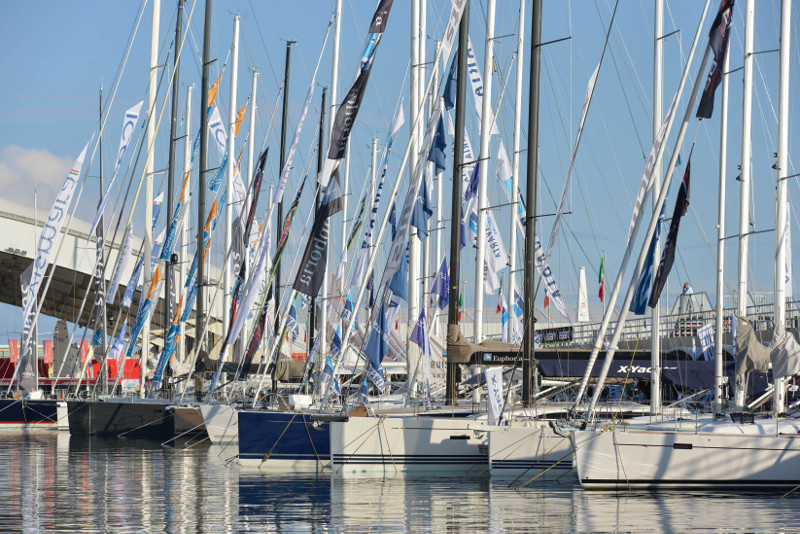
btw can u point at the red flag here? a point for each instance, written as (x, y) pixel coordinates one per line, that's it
(47, 346)
(84, 350)
(601, 293)
(546, 300)
(499, 310)
(397, 324)
(13, 349)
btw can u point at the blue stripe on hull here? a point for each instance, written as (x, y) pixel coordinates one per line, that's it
(283, 436)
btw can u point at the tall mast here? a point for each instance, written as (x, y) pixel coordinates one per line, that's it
(251, 135)
(781, 208)
(528, 349)
(148, 206)
(437, 255)
(658, 84)
(185, 232)
(456, 198)
(744, 195)
(100, 279)
(200, 317)
(323, 342)
(277, 284)
(483, 168)
(412, 353)
(317, 199)
(173, 134)
(226, 268)
(720, 305)
(512, 244)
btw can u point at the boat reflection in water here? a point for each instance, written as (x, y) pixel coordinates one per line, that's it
(76, 484)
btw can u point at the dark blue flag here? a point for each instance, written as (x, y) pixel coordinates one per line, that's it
(449, 92)
(440, 285)
(642, 294)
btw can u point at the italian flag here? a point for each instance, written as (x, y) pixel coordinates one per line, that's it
(601, 281)
(460, 304)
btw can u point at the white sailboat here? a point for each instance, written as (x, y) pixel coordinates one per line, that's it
(715, 452)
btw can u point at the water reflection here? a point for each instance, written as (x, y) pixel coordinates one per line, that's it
(62, 484)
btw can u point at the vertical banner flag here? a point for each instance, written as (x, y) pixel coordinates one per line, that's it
(47, 243)
(550, 286)
(642, 294)
(706, 336)
(718, 37)
(122, 264)
(668, 256)
(601, 279)
(47, 349)
(421, 337)
(476, 79)
(13, 350)
(28, 371)
(312, 266)
(441, 285)
(128, 125)
(788, 247)
(376, 348)
(494, 396)
(348, 110)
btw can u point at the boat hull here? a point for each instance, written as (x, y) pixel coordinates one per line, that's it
(723, 455)
(529, 451)
(23, 414)
(123, 418)
(221, 422)
(408, 444)
(273, 439)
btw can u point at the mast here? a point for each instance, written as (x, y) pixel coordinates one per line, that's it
(317, 200)
(437, 255)
(456, 198)
(173, 133)
(412, 352)
(528, 348)
(286, 66)
(483, 169)
(200, 317)
(655, 312)
(100, 279)
(148, 206)
(720, 305)
(185, 232)
(323, 342)
(251, 135)
(744, 195)
(226, 268)
(782, 171)
(512, 244)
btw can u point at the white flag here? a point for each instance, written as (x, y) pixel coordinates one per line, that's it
(48, 239)
(122, 264)
(128, 124)
(476, 79)
(494, 387)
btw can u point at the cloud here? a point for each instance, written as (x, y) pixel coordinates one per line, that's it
(24, 169)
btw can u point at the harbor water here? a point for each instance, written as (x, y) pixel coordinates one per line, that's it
(57, 483)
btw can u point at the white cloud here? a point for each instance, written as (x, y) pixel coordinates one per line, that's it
(24, 169)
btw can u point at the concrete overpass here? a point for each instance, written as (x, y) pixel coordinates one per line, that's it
(19, 232)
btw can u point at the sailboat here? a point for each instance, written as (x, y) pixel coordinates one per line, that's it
(745, 450)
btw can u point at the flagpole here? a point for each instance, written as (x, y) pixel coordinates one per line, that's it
(148, 207)
(226, 268)
(173, 132)
(483, 169)
(720, 317)
(200, 317)
(655, 312)
(604, 282)
(279, 224)
(337, 30)
(100, 280)
(512, 244)
(185, 232)
(317, 199)
(456, 200)
(744, 186)
(781, 209)
(413, 239)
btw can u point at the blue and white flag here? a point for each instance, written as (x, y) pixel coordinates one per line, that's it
(291, 321)
(376, 349)
(449, 92)
(399, 282)
(642, 294)
(363, 393)
(421, 337)
(128, 125)
(707, 343)
(122, 264)
(494, 397)
(441, 285)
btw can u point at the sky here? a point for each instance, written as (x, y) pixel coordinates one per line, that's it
(57, 62)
